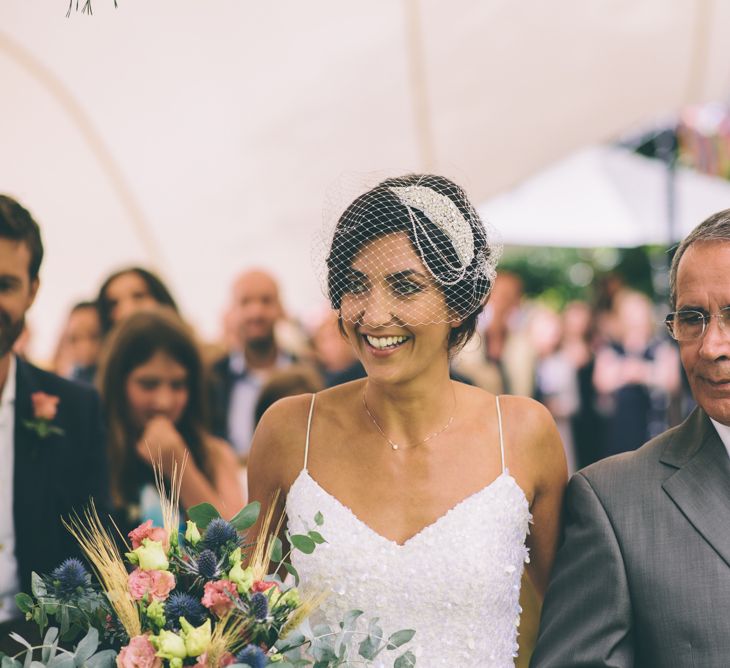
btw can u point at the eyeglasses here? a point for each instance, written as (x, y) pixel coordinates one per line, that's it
(691, 325)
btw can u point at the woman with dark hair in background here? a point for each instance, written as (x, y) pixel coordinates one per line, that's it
(78, 349)
(152, 392)
(129, 290)
(409, 468)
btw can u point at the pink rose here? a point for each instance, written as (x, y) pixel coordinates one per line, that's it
(146, 530)
(45, 406)
(158, 584)
(226, 660)
(218, 596)
(138, 654)
(261, 585)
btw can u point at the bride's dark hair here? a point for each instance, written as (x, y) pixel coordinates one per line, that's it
(379, 212)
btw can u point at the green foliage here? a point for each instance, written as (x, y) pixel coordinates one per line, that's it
(202, 514)
(88, 607)
(85, 655)
(332, 648)
(246, 517)
(303, 543)
(559, 275)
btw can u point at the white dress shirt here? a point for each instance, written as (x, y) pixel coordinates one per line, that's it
(244, 396)
(724, 433)
(9, 583)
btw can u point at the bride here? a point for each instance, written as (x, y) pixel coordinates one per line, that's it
(426, 485)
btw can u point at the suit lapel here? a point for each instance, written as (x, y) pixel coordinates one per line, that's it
(700, 487)
(31, 475)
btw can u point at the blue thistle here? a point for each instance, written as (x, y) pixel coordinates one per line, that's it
(208, 565)
(219, 533)
(69, 576)
(260, 606)
(180, 604)
(251, 655)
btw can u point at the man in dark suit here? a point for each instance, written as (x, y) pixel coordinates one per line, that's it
(643, 576)
(52, 456)
(237, 378)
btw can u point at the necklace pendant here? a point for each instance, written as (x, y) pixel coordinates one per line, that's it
(394, 446)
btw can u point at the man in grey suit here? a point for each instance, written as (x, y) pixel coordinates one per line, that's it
(643, 575)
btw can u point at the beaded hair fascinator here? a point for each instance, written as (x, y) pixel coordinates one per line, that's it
(409, 251)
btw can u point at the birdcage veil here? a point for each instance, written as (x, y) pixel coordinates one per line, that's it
(408, 248)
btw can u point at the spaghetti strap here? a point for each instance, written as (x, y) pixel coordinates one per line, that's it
(501, 436)
(309, 426)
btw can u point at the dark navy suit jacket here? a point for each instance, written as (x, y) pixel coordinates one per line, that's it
(56, 475)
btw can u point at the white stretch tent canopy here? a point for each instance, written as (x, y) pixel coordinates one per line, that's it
(605, 196)
(199, 138)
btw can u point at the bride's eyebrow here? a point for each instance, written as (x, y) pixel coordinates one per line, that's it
(407, 274)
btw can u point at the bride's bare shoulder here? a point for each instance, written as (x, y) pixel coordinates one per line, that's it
(532, 433)
(282, 431)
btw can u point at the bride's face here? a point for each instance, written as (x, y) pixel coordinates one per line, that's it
(393, 312)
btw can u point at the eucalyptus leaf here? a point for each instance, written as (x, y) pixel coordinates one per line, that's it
(316, 537)
(323, 652)
(348, 625)
(293, 572)
(400, 638)
(50, 642)
(247, 516)
(37, 586)
(64, 620)
(202, 514)
(321, 630)
(374, 627)
(303, 543)
(87, 646)
(104, 659)
(350, 619)
(37, 664)
(24, 602)
(28, 658)
(276, 550)
(368, 648)
(62, 661)
(20, 639)
(9, 662)
(51, 635)
(319, 519)
(294, 640)
(407, 660)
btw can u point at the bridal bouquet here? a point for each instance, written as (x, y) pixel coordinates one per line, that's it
(186, 599)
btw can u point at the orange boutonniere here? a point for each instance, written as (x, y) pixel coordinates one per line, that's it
(45, 407)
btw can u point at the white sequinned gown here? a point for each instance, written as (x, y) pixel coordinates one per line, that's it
(456, 582)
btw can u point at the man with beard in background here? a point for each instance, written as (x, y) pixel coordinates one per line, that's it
(238, 377)
(52, 451)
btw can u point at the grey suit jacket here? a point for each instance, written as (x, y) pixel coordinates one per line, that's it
(643, 575)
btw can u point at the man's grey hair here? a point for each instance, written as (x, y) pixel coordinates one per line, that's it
(714, 228)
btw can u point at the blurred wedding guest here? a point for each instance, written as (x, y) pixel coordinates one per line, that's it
(130, 290)
(501, 359)
(23, 343)
(237, 378)
(151, 382)
(556, 382)
(333, 353)
(579, 346)
(80, 344)
(288, 382)
(635, 374)
(52, 454)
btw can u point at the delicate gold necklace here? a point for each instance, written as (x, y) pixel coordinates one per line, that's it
(395, 446)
